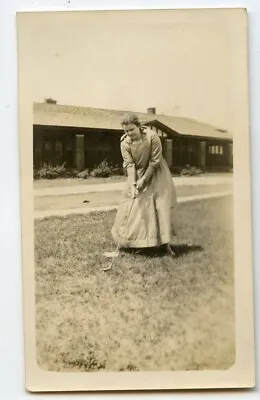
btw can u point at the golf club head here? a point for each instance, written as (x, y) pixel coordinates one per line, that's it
(110, 254)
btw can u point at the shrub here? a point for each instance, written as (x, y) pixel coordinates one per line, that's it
(53, 172)
(191, 171)
(117, 170)
(176, 171)
(83, 174)
(103, 170)
(35, 173)
(106, 169)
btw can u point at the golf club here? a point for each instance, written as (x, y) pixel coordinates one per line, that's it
(107, 268)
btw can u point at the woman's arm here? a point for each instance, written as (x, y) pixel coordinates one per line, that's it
(128, 163)
(155, 158)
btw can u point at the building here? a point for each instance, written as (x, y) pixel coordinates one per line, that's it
(83, 137)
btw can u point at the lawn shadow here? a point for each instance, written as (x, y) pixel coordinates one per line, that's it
(152, 252)
(182, 249)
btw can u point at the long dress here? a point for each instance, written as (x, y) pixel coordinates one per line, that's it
(150, 219)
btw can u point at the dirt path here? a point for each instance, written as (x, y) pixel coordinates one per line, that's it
(40, 214)
(207, 180)
(97, 199)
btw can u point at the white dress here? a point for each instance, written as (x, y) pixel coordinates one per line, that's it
(152, 220)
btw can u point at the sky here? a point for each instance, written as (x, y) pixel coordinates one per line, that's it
(179, 62)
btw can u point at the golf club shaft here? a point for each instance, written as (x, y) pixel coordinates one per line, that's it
(118, 246)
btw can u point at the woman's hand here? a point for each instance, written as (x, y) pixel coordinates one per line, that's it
(140, 184)
(133, 192)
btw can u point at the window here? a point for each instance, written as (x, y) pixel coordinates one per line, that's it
(216, 150)
(58, 152)
(190, 148)
(69, 143)
(52, 151)
(47, 151)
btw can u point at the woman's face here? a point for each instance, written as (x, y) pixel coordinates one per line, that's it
(132, 131)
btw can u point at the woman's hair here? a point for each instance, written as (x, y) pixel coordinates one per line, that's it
(131, 119)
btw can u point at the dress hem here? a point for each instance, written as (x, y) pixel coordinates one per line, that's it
(139, 243)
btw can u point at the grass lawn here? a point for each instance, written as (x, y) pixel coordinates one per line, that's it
(149, 312)
(89, 200)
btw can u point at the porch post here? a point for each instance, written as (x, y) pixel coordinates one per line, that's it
(80, 154)
(230, 154)
(38, 149)
(202, 154)
(168, 152)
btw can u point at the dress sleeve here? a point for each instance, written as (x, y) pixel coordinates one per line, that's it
(128, 163)
(156, 156)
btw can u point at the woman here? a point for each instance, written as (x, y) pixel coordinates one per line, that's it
(147, 215)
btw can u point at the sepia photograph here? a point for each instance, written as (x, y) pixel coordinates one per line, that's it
(135, 199)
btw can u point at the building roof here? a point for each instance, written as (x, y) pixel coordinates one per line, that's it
(85, 117)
